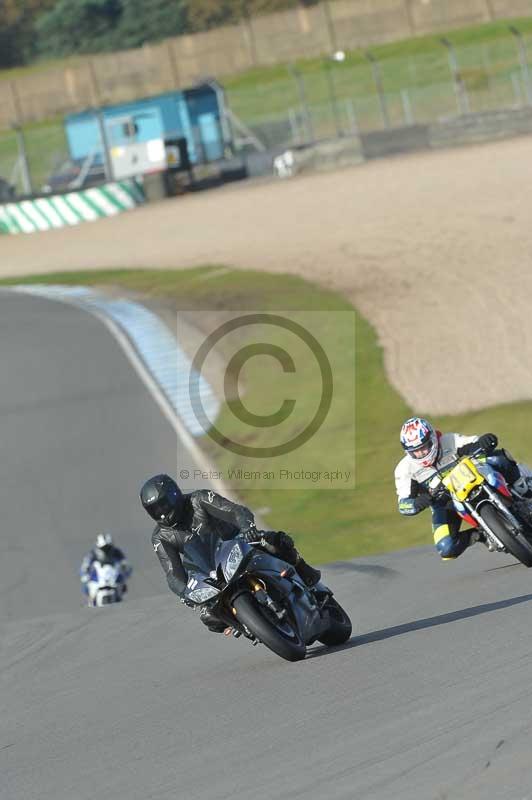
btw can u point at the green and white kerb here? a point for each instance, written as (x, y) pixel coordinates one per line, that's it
(58, 211)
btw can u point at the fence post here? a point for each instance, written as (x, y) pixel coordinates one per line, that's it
(249, 35)
(489, 10)
(294, 127)
(462, 97)
(296, 75)
(332, 97)
(70, 85)
(352, 115)
(329, 23)
(107, 163)
(23, 160)
(516, 85)
(410, 17)
(174, 69)
(95, 87)
(15, 99)
(407, 107)
(523, 61)
(377, 78)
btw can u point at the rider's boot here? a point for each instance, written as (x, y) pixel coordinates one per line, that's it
(523, 487)
(211, 620)
(309, 575)
(479, 536)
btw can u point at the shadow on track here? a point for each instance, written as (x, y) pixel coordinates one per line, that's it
(420, 624)
(371, 569)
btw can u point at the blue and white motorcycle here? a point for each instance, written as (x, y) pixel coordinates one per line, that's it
(106, 584)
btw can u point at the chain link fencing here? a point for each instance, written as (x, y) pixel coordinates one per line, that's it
(29, 156)
(345, 95)
(335, 97)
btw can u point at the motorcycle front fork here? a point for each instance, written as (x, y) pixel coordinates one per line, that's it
(262, 597)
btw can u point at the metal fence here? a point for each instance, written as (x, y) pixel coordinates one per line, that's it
(359, 94)
(28, 156)
(301, 32)
(331, 98)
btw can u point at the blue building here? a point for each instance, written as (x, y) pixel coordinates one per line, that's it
(139, 128)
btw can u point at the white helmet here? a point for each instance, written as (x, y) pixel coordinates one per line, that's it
(104, 540)
(420, 441)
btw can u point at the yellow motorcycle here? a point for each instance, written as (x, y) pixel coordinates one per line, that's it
(481, 496)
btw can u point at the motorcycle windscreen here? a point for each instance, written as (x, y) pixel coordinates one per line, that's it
(199, 554)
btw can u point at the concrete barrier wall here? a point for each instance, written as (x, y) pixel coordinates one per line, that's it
(463, 130)
(271, 39)
(481, 127)
(398, 140)
(59, 211)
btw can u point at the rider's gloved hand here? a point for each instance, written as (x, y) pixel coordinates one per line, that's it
(487, 442)
(413, 505)
(440, 495)
(250, 535)
(276, 541)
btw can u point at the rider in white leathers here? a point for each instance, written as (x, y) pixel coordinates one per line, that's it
(427, 448)
(105, 552)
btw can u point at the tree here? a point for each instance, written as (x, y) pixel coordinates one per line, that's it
(60, 27)
(204, 14)
(17, 35)
(78, 26)
(148, 20)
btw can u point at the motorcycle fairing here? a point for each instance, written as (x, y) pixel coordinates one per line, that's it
(206, 557)
(488, 474)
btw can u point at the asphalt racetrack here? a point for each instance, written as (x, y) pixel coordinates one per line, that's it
(429, 700)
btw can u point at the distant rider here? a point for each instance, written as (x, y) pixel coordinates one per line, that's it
(104, 552)
(427, 448)
(204, 513)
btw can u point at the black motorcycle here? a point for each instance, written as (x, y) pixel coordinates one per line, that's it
(262, 596)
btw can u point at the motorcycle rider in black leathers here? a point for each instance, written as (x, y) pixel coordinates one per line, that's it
(204, 513)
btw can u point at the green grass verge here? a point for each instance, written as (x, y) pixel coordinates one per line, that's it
(328, 525)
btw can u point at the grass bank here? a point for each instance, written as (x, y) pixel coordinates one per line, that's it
(328, 524)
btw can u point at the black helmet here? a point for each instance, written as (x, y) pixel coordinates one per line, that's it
(162, 499)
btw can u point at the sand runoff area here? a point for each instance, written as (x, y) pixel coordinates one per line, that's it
(434, 249)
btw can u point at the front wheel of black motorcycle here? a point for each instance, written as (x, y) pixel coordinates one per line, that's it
(340, 628)
(280, 637)
(516, 545)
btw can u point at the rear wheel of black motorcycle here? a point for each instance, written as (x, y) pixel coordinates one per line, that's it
(517, 546)
(281, 638)
(340, 628)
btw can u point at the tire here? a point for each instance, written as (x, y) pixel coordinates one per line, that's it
(517, 546)
(249, 613)
(340, 628)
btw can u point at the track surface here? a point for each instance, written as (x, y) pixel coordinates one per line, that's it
(79, 433)
(429, 700)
